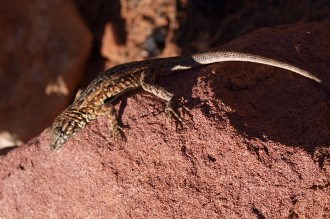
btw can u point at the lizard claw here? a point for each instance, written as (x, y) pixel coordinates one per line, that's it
(171, 110)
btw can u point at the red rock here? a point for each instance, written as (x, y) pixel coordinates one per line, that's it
(44, 46)
(257, 146)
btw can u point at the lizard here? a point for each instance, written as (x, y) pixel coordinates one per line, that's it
(97, 99)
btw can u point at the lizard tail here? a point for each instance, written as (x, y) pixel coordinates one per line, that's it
(224, 56)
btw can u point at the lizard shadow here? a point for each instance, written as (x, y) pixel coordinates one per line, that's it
(280, 107)
(266, 106)
(120, 112)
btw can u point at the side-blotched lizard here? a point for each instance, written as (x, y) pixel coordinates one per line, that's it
(97, 99)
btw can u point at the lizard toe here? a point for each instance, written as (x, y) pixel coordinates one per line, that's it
(172, 112)
(118, 134)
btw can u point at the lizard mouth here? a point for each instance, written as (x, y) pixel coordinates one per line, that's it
(58, 138)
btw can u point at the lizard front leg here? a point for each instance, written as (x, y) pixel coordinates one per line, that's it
(147, 81)
(109, 110)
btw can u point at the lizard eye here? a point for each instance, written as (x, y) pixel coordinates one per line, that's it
(59, 132)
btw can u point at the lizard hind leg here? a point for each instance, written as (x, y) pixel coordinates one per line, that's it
(171, 109)
(172, 102)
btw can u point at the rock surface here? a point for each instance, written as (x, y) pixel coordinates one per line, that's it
(44, 45)
(257, 146)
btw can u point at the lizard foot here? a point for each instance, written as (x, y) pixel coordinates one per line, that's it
(171, 109)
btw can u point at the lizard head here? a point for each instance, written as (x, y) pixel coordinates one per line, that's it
(62, 129)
